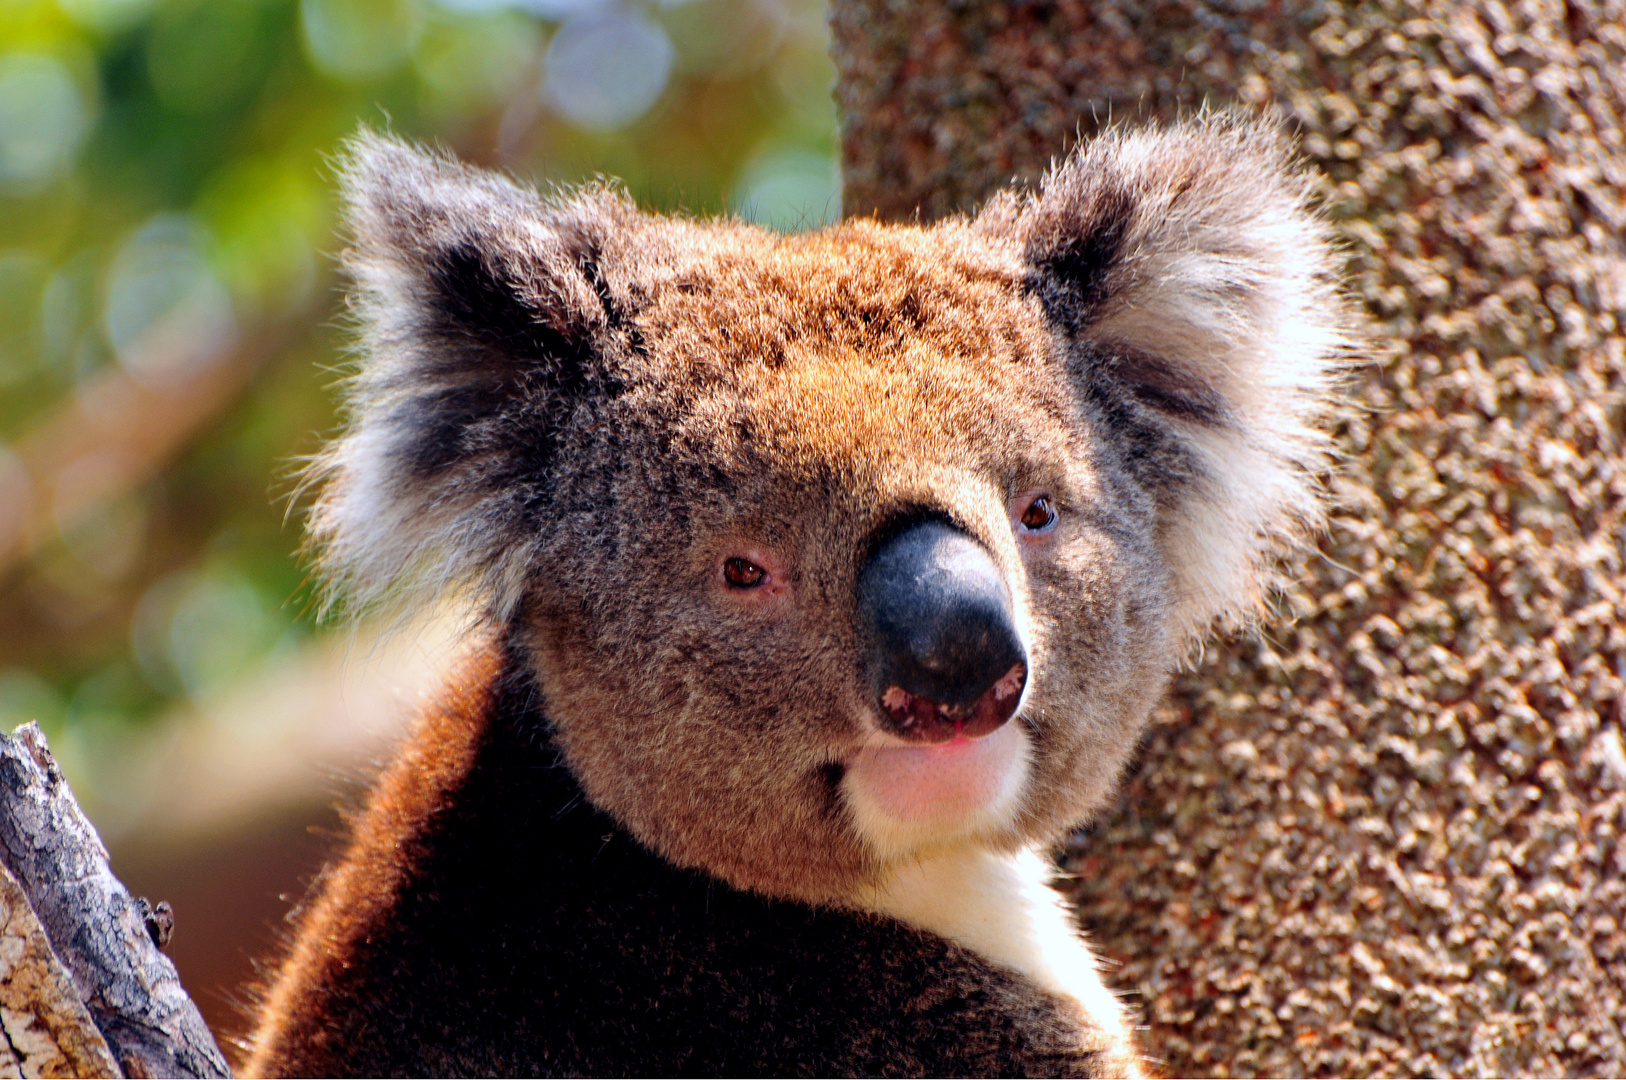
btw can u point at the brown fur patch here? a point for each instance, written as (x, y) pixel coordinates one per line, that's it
(353, 896)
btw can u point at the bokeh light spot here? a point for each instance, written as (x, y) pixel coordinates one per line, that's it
(68, 311)
(218, 627)
(478, 60)
(167, 313)
(553, 10)
(604, 70)
(106, 16)
(200, 631)
(725, 38)
(790, 190)
(44, 119)
(355, 40)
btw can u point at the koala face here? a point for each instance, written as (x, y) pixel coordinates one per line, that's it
(833, 550)
(713, 654)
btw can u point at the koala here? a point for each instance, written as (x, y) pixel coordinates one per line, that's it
(824, 583)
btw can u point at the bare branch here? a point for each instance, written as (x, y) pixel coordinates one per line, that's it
(98, 930)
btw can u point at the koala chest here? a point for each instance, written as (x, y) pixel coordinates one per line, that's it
(1000, 907)
(526, 933)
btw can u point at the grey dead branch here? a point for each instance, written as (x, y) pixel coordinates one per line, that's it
(84, 989)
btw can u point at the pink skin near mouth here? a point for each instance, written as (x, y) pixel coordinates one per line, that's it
(925, 783)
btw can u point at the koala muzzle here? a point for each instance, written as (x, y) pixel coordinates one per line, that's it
(945, 659)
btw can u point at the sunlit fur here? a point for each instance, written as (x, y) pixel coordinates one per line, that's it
(1003, 907)
(578, 411)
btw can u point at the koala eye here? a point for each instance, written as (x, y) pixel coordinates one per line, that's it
(1039, 516)
(743, 573)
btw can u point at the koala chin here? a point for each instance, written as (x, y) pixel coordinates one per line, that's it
(824, 584)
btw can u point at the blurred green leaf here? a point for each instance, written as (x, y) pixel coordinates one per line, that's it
(204, 56)
(355, 40)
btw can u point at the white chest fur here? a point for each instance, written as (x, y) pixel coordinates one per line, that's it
(1001, 907)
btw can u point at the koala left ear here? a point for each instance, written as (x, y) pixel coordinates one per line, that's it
(1196, 290)
(485, 323)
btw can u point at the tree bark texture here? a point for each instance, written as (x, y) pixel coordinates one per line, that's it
(96, 928)
(1382, 836)
(46, 1029)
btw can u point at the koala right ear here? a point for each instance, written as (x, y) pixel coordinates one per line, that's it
(484, 324)
(1196, 285)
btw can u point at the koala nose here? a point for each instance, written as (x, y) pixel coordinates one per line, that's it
(945, 658)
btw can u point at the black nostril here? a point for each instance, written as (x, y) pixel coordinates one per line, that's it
(944, 652)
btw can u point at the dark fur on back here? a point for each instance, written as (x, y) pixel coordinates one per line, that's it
(527, 934)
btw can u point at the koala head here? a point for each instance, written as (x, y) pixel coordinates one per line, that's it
(831, 550)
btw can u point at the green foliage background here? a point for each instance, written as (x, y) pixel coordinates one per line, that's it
(166, 209)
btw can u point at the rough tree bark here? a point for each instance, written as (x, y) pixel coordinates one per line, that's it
(47, 1030)
(77, 947)
(1383, 837)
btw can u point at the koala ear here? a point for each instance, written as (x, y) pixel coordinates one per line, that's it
(1196, 289)
(484, 325)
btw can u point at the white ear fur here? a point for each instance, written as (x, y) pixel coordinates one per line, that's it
(1204, 251)
(471, 306)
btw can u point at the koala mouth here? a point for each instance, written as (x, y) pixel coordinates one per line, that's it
(903, 795)
(939, 770)
(919, 719)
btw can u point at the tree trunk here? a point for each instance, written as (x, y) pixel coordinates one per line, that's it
(1382, 837)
